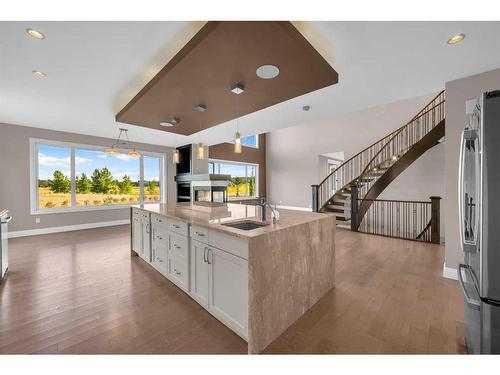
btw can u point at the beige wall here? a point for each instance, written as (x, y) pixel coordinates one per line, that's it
(293, 154)
(457, 92)
(15, 178)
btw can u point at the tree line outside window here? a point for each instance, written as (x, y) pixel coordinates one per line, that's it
(71, 177)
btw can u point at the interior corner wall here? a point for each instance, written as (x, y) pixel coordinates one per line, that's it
(225, 151)
(457, 93)
(15, 181)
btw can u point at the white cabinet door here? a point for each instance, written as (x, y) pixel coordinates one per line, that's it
(228, 289)
(159, 246)
(136, 234)
(146, 236)
(199, 272)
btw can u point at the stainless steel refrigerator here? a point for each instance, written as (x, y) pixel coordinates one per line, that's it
(479, 214)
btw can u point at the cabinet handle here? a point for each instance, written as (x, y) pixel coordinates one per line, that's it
(147, 228)
(200, 234)
(205, 255)
(175, 226)
(159, 260)
(176, 246)
(177, 272)
(208, 256)
(159, 237)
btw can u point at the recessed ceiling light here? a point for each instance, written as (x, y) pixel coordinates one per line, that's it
(39, 73)
(237, 89)
(201, 108)
(35, 34)
(267, 71)
(456, 39)
(172, 122)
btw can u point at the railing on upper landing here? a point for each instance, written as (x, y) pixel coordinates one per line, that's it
(411, 220)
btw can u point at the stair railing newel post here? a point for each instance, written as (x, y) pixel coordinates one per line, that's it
(354, 207)
(435, 220)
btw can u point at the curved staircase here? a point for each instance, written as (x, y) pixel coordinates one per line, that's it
(373, 169)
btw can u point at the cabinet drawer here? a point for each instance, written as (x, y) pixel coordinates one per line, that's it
(159, 220)
(231, 244)
(178, 226)
(179, 245)
(178, 271)
(159, 238)
(199, 233)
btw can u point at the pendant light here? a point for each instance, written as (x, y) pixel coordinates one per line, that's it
(113, 149)
(200, 152)
(237, 89)
(237, 143)
(175, 154)
(175, 157)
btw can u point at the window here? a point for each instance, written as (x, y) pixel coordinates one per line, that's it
(54, 176)
(250, 141)
(244, 177)
(70, 177)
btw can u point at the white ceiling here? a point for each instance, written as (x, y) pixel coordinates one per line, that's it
(94, 68)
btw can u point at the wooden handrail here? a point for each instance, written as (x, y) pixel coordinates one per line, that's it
(390, 200)
(396, 133)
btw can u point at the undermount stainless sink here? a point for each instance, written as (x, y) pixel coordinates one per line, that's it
(246, 225)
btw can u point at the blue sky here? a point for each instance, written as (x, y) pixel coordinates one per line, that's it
(58, 158)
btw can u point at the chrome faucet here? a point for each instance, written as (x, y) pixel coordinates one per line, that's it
(263, 204)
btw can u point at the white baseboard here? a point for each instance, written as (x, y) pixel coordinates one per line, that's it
(66, 228)
(450, 273)
(294, 208)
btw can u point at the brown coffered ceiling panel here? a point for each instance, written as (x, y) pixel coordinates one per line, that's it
(218, 56)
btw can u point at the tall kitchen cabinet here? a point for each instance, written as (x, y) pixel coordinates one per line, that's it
(219, 279)
(159, 243)
(141, 234)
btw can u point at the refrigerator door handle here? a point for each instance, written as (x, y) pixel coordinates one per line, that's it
(7, 219)
(472, 303)
(460, 191)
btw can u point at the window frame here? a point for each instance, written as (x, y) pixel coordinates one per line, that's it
(33, 159)
(220, 161)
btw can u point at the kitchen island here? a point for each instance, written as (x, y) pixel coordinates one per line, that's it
(257, 282)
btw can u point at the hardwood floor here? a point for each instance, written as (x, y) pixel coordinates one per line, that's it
(81, 292)
(389, 298)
